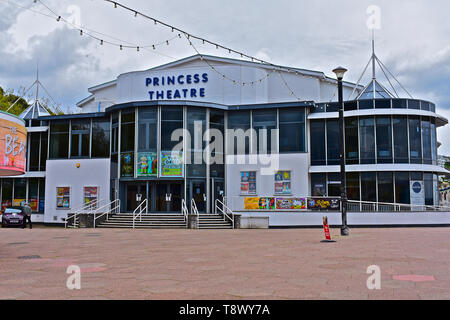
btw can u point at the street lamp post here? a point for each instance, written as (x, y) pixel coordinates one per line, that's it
(340, 71)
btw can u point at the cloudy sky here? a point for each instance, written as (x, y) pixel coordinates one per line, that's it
(413, 41)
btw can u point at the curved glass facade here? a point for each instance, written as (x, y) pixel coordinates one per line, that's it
(375, 140)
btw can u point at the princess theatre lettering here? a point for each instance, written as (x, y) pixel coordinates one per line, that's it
(160, 86)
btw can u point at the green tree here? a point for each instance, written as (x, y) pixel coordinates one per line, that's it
(7, 98)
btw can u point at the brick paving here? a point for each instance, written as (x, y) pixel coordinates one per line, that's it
(224, 264)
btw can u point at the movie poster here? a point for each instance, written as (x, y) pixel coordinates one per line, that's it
(147, 164)
(127, 164)
(171, 164)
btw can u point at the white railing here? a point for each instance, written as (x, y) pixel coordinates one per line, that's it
(194, 210)
(185, 211)
(111, 208)
(220, 207)
(368, 206)
(142, 207)
(74, 213)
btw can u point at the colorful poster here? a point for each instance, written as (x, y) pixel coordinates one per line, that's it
(63, 197)
(332, 204)
(248, 182)
(127, 164)
(283, 182)
(251, 203)
(91, 196)
(147, 164)
(298, 203)
(171, 164)
(13, 139)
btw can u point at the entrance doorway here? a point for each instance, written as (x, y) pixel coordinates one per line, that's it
(132, 191)
(168, 196)
(197, 191)
(217, 191)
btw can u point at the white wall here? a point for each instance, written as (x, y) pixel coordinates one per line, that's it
(297, 163)
(64, 173)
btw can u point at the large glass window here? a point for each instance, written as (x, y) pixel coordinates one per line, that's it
(127, 144)
(264, 121)
(369, 186)
(147, 137)
(351, 140)
(41, 204)
(433, 142)
(196, 124)
(34, 141)
(385, 187)
(400, 125)
(318, 184)
(33, 188)
(384, 140)
(317, 134)
(415, 140)
(80, 138)
(353, 186)
(114, 145)
(216, 125)
(292, 130)
(426, 138)
(429, 194)
(367, 140)
(334, 184)
(44, 148)
(20, 191)
(7, 190)
(239, 142)
(59, 139)
(127, 131)
(171, 120)
(333, 148)
(402, 187)
(100, 138)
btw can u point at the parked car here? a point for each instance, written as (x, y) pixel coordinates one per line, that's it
(12, 216)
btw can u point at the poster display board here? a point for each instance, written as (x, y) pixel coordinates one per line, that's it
(274, 203)
(330, 204)
(147, 164)
(171, 164)
(91, 196)
(63, 197)
(283, 182)
(126, 164)
(248, 182)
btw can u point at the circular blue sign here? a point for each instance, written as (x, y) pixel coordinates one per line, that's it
(417, 187)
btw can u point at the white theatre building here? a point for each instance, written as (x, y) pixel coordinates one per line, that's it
(280, 153)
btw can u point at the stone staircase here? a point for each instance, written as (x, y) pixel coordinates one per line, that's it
(213, 221)
(149, 221)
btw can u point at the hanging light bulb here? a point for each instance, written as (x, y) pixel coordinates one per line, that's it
(153, 46)
(120, 47)
(101, 42)
(81, 32)
(135, 13)
(59, 18)
(137, 48)
(115, 5)
(167, 41)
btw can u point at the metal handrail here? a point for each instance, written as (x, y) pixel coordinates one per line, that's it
(140, 209)
(224, 210)
(85, 207)
(195, 211)
(114, 206)
(184, 211)
(398, 206)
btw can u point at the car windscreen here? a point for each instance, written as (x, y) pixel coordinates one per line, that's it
(10, 210)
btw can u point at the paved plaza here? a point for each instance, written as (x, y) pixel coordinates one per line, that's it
(224, 264)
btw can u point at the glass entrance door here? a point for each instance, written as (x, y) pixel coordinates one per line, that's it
(197, 191)
(217, 191)
(168, 196)
(133, 190)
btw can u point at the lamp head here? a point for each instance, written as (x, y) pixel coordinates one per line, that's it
(340, 71)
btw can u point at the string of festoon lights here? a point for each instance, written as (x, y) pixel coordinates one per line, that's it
(189, 37)
(122, 44)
